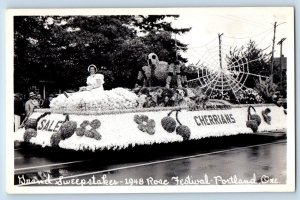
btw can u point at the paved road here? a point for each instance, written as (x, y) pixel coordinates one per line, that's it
(261, 163)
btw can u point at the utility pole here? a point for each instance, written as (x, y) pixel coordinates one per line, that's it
(220, 57)
(272, 58)
(220, 48)
(280, 43)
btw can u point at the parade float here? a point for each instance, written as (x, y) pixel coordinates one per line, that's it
(122, 118)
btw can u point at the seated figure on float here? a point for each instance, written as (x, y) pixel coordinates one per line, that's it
(93, 97)
(94, 85)
(158, 71)
(94, 81)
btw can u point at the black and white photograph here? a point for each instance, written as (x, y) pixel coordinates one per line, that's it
(157, 100)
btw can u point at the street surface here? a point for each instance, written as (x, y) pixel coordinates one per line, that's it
(259, 162)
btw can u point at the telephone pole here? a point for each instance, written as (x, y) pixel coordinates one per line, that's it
(273, 46)
(272, 58)
(220, 56)
(280, 43)
(220, 48)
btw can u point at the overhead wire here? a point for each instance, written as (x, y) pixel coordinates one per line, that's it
(200, 46)
(247, 20)
(232, 18)
(251, 36)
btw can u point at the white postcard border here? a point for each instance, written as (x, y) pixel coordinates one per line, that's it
(13, 189)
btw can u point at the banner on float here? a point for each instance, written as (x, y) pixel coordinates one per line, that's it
(118, 131)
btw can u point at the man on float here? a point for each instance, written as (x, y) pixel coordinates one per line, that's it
(157, 70)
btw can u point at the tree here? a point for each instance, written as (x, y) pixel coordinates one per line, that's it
(258, 61)
(158, 36)
(266, 89)
(59, 48)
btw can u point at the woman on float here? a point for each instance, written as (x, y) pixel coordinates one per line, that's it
(94, 89)
(93, 97)
(87, 94)
(94, 81)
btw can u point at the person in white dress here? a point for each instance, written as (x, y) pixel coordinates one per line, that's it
(94, 97)
(94, 81)
(87, 94)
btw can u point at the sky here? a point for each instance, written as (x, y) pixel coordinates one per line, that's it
(237, 26)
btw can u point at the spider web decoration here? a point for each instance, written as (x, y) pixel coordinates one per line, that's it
(216, 73)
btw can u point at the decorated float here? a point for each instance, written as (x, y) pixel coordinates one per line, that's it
(121, 118)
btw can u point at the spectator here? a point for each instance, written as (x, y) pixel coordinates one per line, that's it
(47, 101)
(31, 104)
(40, 100)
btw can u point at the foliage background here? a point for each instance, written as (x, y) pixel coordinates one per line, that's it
(58, 49)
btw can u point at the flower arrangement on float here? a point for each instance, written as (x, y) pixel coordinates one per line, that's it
(146, 126)
(118, 98)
